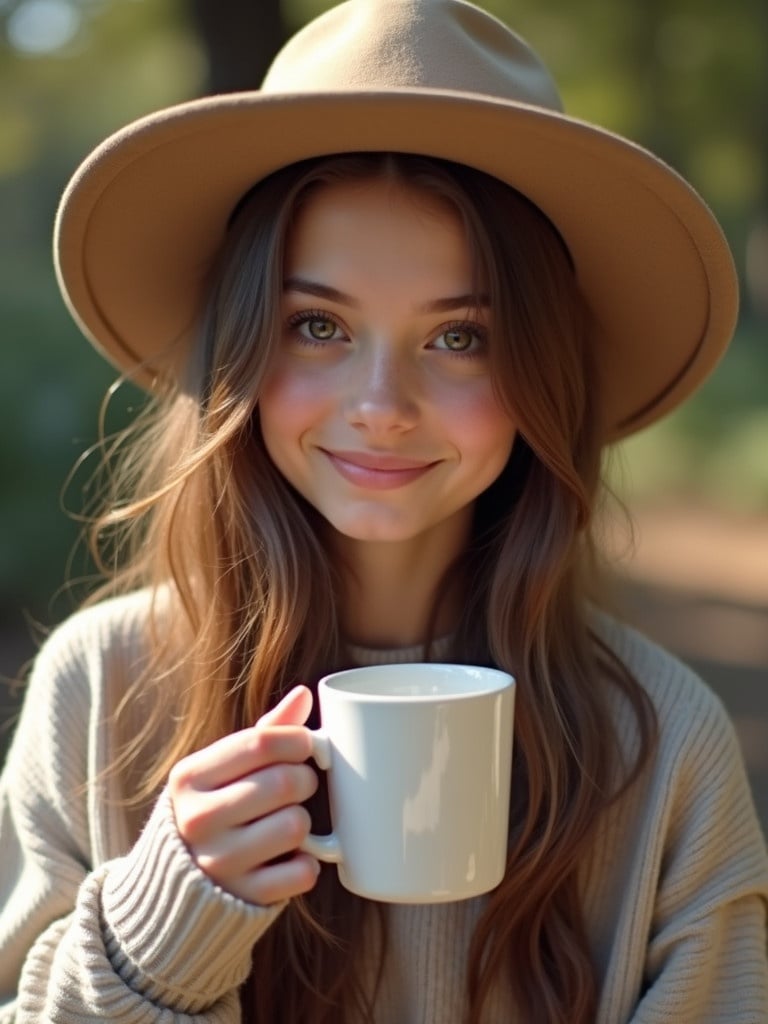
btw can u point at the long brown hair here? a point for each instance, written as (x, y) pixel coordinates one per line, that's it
(204, 518)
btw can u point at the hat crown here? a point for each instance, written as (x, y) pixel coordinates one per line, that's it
(375, 45)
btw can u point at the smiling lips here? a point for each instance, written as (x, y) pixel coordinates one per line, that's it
(377, 471)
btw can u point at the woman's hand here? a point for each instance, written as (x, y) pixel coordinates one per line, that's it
(237, 805)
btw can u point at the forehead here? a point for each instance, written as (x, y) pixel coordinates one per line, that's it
(378, 225)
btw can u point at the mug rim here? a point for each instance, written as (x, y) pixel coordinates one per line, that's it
(494, 680)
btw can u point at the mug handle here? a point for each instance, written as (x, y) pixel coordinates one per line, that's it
(325, 848)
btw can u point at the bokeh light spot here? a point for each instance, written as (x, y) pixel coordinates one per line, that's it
(43, 26)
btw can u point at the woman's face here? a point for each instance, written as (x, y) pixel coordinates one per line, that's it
(378, 407)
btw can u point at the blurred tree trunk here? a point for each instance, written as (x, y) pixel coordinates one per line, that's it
(240, 38)
(645, 18)
(757, 242)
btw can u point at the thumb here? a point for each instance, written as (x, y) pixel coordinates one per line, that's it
(293, 709)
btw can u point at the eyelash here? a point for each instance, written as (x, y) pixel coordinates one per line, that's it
(307, 315)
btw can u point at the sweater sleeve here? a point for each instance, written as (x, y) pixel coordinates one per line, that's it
(142, 937)
(707, 955)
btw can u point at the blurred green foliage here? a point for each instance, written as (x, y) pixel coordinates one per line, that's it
(686, 77)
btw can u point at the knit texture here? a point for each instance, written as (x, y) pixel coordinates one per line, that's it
(105, 916)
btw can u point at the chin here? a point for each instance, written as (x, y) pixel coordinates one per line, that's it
(374, 531)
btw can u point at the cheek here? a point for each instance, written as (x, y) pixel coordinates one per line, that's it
(477, 422)
(289, 402)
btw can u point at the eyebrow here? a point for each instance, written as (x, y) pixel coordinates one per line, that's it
(325, 291)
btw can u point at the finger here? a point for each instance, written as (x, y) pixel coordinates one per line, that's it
(239, 851)
(249, 749)
(239, 754)
(247, 799)
(266, 791)
(278, 882)
(293, 709)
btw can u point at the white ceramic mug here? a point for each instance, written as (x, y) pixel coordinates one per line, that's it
(419, 761)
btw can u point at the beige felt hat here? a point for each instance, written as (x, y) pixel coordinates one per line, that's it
(143, 217)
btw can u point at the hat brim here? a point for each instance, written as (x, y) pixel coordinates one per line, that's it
(143, 218)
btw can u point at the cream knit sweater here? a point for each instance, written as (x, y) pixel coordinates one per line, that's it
(102, 919)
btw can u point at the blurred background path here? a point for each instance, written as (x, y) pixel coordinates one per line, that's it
(698, 584)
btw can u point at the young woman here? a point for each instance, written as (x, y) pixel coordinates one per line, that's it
(393, 308)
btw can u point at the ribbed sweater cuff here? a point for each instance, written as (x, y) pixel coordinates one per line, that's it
(170, 932)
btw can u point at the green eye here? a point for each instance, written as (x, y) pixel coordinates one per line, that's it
(458, 339)
(322, 330)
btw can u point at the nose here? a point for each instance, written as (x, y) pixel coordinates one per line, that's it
(382, 392)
